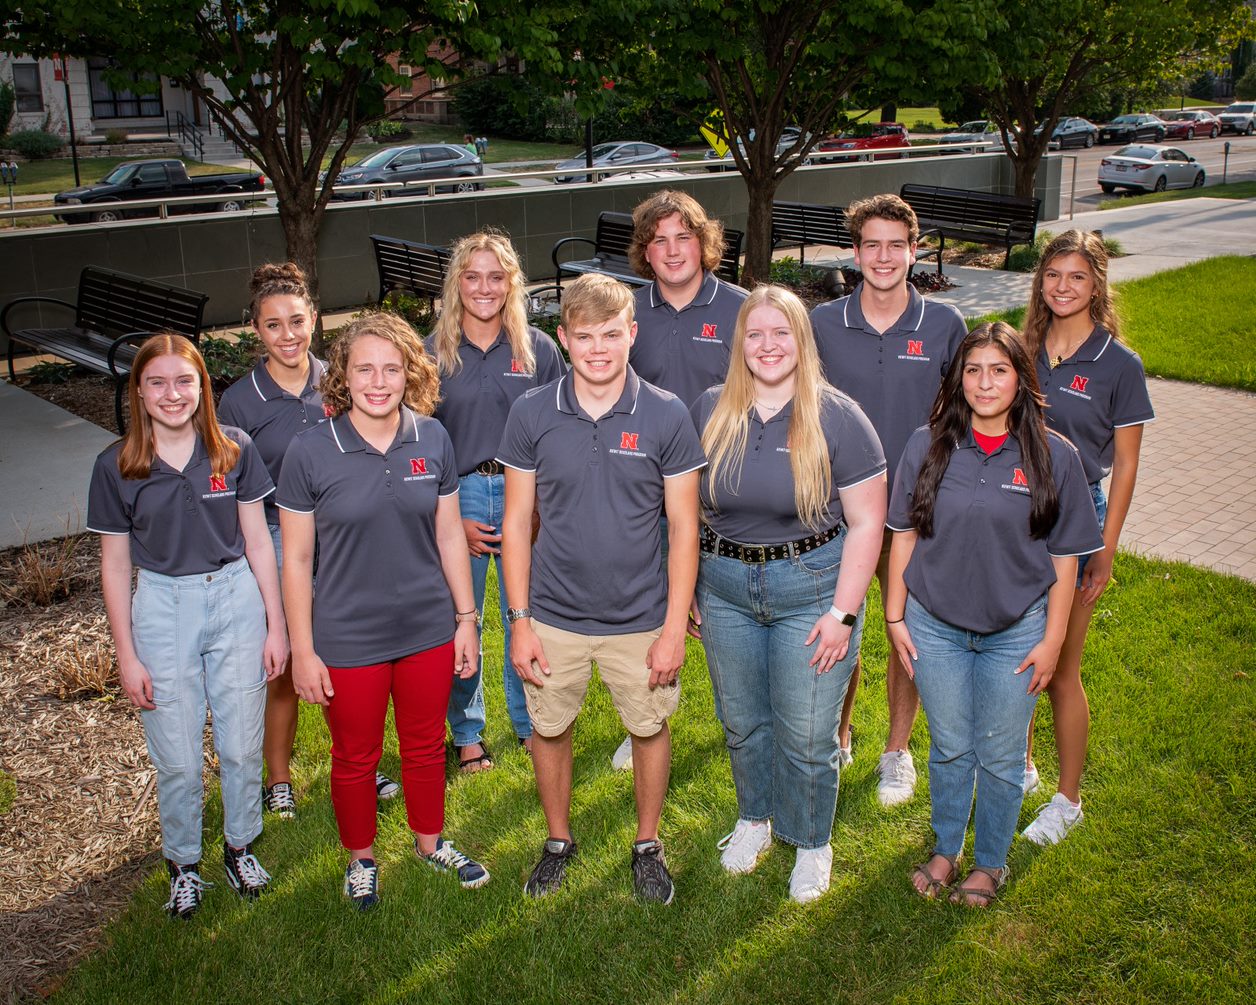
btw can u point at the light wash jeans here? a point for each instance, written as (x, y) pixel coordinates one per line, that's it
(979, 712)
(780, 717)
(483, 498)
(200, 638)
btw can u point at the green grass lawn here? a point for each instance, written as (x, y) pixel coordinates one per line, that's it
(1193, 323)
(52, 176)
(1234, 190)
(909, 117)
(1150, 900)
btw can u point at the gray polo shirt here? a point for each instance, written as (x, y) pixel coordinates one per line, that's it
(272, 416)
(895, 375)
(597, 567)
(476, 400)
(381, 592)
(1093, 393)
(981, 570)
(685, 351)
(182, 523)
(760, 508)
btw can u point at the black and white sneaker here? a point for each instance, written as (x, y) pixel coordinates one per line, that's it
(244, 871)
(447, 858)
(362, 883)
(186, 890)
(279, 800)
(551, 870)
(385, 787)
(650, 878)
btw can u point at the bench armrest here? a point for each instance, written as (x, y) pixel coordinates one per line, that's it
(567, 240)
(4, 317)
(118, 343)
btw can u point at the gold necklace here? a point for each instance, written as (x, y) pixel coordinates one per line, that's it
(1060, 358)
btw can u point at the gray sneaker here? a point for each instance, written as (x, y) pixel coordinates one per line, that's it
(549, 873)
(650, 878)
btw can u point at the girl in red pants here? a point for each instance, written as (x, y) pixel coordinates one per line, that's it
(394, 614)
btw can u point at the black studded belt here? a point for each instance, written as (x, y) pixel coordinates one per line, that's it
(757, 554)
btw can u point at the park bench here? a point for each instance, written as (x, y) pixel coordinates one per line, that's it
(813, 223)
(410, 266)
(983, 217)
(112, 312)
(610, 253)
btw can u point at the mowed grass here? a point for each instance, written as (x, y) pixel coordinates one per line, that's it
(1150, 900)
(1233, 190)
(53, 176)
(1194, 323)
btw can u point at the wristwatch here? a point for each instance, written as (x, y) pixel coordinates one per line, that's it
(513, 614)
(843, 617)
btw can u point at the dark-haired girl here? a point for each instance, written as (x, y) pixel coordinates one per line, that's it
(181, 498)
(275, 401)
(989, 513)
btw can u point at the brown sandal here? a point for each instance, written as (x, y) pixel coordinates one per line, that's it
(934, 887)
(964, 895)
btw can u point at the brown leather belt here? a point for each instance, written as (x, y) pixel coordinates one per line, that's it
(757, 554)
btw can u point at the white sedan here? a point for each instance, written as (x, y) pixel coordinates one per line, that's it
(1149, 168)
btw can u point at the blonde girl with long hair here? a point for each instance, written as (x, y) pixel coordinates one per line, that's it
(793, 504)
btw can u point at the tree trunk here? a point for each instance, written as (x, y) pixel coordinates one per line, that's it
(301, 219)
(889, 113)
(758, 246)
(1026, 169)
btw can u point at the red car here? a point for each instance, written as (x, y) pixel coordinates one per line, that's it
(853, 144)
(1191, 122)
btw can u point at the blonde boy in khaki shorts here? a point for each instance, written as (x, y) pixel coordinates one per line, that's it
(600, 455)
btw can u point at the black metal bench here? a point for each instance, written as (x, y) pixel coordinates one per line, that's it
(813, 223)
(410, 266)
(610, 253)
(984, 217)
(112, 313)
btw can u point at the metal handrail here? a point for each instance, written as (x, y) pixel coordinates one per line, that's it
(188, 131)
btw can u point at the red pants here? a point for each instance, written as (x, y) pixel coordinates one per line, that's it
(419, 685)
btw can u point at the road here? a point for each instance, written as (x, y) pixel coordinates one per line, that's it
(1209, 153)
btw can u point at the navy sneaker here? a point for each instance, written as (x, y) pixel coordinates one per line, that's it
(447, 858)
(362, 883)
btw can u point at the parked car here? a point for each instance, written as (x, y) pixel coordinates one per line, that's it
(415, 163)
(1073, 131)
(1142, 168)
(789, 136)
(155, 179)
(976, 131)
(1240, 117)
(859, 141)
(1133, 129)
(618, 154)
(1189, 123)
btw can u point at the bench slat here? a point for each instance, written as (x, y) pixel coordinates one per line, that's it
(411, 266)
(986, 217)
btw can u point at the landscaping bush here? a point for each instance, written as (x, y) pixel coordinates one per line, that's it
(8, 100)
(1244, 87)
(35, 144)
(387, 129)
(227, 360)
(509, 107)
(1024, 257)
(114, 137)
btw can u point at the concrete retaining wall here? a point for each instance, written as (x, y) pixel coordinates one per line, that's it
(217, 254)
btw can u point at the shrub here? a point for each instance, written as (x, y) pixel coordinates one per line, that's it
(115, 136)
(1244, 87)
(1025, 257)
(8, 792)
(84, 670)
(49, 372)
(227, 360)
(383, 129)
(415, 310)
(8, 101)
(35, 144)
(507, 106)
(42, 574)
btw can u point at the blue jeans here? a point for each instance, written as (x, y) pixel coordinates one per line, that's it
(200, 638)
(1101, 511)
(779, 716)
(979, 712)
(483, 498)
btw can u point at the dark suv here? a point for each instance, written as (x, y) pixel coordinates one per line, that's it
(419, 163)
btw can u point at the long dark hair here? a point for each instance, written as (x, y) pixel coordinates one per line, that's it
(952, 417)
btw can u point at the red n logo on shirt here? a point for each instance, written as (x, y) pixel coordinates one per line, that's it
(217, 483)
(708, 331)
(516, 366)
(1018, 477)
(628, 441)
(915, 348)
(1079, 383)
(418, 465)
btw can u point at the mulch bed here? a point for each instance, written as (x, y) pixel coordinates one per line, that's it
(86, 395)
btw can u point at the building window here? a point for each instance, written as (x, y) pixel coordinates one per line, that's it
(30, 97)
(108, 103)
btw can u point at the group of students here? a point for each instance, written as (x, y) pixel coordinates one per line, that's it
(712, 462)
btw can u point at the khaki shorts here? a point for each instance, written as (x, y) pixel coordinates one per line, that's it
(620, 661)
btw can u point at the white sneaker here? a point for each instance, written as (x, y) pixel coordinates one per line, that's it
(621, 760)
(898, 777)
(743, 847)
(1054, 820)
(1030, 785)
(810, 878)
(845, 757)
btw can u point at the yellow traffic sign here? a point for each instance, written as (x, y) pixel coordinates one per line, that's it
(715, 133)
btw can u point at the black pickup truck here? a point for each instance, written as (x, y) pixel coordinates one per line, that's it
(156, 179)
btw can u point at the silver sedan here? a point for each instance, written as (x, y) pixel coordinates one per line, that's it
(1149, 168)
